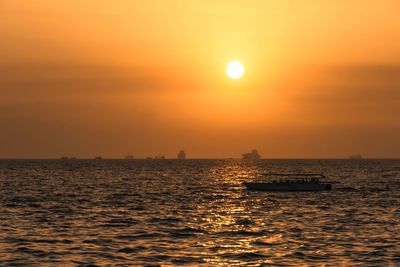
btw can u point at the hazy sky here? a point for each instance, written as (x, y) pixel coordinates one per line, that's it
(111, 78)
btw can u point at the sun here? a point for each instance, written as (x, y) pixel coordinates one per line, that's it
(235, 69)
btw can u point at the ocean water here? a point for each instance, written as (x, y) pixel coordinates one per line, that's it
(196, 213)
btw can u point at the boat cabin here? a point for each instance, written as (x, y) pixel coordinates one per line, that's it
(289, 182)
(293, 178)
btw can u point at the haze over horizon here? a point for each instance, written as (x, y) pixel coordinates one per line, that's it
(106, 78)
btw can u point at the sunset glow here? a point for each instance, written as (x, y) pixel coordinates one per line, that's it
(153, 76)
(199, 133)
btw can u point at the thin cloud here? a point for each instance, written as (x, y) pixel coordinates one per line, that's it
(74, 79)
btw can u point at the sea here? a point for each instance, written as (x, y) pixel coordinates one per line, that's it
(196, 213)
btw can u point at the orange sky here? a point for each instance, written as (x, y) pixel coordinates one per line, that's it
(97, 77)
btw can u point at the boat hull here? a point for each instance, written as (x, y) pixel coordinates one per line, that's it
(288, 187)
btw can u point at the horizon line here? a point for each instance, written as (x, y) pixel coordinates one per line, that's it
(203, 158)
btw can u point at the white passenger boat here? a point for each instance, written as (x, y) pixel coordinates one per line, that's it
(290, 182)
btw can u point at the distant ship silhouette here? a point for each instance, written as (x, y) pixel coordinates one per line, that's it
(68, 157)
(357, 156)
(253, 155)
(181, 155)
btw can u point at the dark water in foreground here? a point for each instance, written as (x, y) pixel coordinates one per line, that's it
(196, 212)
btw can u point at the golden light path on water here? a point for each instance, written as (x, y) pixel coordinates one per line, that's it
(196, 212)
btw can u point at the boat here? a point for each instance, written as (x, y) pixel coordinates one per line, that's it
(181, 155)
(64, 157)
(253, 155)
(290, 182)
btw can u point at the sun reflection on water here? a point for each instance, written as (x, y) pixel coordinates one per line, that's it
(192, 213)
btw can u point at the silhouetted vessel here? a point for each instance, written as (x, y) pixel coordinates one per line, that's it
(181, 155)
(98, 157)
(68, 157)
(288, 182)
(357, 156)
(129, 157)
(253, 155)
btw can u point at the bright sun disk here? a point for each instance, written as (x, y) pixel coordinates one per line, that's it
(235, 69)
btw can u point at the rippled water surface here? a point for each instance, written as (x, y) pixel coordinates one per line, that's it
(196, 212)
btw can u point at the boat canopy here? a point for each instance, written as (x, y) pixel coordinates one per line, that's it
(294, 175)
(276, 177)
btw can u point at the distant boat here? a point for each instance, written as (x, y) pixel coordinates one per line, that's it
(290, 182)
(158, 157)
(253, 155)
(357, 156)
(98, 157)
(181, 155)
(68, 157)
(129, 157)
